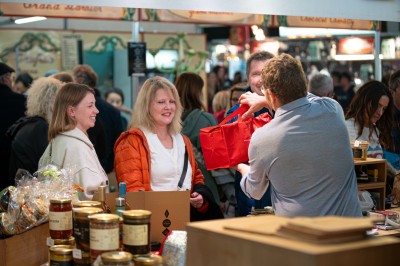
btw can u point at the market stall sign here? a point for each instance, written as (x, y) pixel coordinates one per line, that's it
(356, 45)
(336, 23)
(196, 16)
(68, 11)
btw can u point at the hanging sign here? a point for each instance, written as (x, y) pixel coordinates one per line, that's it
(136, 58)
(197, 16)
(336, 23)
(69, 11)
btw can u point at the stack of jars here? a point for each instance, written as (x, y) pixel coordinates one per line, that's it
(60, 225)
(84, 234)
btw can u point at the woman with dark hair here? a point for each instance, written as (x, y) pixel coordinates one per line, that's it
(116, 98)
(194, 118)
(369, 118)
(70, 148)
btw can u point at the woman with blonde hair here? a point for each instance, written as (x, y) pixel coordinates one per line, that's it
(29, 134)
(154, 156)
(70, 148)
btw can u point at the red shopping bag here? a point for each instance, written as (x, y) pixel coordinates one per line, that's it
(226, 145)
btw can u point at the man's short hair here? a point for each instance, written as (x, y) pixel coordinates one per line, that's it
(285, 77)
(320, 85)
(258, 56)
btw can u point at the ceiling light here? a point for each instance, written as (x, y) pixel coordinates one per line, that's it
(28, 20)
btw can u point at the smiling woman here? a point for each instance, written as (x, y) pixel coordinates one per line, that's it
(153, 155)
(70, 148)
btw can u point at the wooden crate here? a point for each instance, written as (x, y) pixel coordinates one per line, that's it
(28, 248)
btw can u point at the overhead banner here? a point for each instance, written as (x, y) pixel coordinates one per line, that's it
(193, 16)
(335, 23)
(69, 11)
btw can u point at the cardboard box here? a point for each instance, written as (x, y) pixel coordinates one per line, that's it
(237, 248)
(170, 209)
(28, 248)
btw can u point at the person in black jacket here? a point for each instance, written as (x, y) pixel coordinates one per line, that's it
(29, 134)
(12, 107)
(108, 126)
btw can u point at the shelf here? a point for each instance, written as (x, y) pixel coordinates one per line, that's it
(380, 185)
(371, 185)
(369, 161)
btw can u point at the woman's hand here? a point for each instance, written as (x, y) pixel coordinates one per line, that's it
(255, 101)
(196, 200)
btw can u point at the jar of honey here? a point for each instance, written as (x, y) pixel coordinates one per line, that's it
(136, 231)
(104, 234)
(116, 258)
(360, 149)
(60, 255)
(81, 226)
(60, 218)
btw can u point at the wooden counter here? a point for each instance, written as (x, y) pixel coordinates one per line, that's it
(210, 243)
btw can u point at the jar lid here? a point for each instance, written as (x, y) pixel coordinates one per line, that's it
(137, 214)
(147, 260)
(61, 249)
(116, 256)
(86, 203)
(68, 241)
(86, 211)
(104, 218)
(60, 200)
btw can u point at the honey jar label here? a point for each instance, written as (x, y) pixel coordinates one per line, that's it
(101, 239)
(135, 235)
(60, 221)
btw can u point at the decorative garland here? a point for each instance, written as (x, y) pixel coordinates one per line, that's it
(28, 41)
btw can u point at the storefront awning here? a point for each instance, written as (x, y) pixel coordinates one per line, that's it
(382, 10)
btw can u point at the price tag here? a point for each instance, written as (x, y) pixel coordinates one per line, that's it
(49, 242)
(77, 253)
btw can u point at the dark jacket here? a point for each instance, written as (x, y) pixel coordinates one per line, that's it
(12, 107)
(29, 141)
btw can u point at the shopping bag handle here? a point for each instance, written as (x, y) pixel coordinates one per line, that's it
(240, 111)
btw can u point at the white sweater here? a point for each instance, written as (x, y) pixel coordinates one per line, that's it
(73, 151)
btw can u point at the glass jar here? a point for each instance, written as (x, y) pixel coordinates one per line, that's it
(81, 226)
(116, 258)
(82, 258)
(136, 231)
(153, 260)
(70, 242)
(360, 149)
(86, 203)
(104, 234)
(60, 218)
(60, 255)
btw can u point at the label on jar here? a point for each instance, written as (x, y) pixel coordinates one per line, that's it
(60, 263)
(60, 221)
(81, 232)
(104, 239)
(135, 235)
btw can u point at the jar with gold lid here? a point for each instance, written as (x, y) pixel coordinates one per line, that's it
(81, 226)
(116, 258)
(60, 218)
(86, 203)
(103, 233)
(60, 255)
(69, 241)
(136, 231)
(153, 260)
